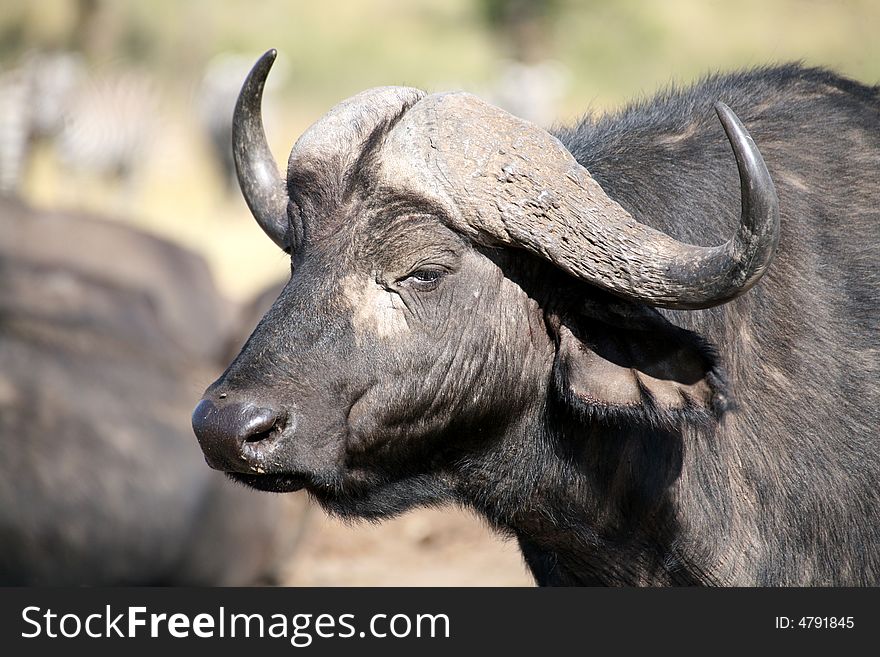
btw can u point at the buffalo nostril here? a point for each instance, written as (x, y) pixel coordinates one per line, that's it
(262, 435)
(263, 424)
(236, 437)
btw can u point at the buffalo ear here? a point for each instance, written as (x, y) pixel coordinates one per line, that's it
(636, 367)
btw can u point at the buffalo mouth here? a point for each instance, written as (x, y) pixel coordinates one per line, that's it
(271, 483)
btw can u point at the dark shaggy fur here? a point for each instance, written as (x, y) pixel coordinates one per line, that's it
(781, 490)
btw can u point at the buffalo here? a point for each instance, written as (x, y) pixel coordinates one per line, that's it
(640, 345)
(100, 359)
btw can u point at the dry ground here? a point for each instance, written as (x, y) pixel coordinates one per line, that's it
(428, 547)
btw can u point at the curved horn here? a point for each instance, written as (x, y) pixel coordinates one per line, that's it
(505, 181)
(263, 188)
(749, 252)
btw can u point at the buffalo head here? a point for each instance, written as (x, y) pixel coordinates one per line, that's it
(456, 276)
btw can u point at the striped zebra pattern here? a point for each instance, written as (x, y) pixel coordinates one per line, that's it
(99, 124)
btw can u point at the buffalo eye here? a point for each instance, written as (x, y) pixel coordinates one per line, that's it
(423, 280)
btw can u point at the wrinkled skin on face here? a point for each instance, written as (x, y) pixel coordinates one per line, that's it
(395, 346)
(408, 341)
(410, 366)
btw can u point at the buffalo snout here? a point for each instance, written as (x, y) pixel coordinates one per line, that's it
(235, 436)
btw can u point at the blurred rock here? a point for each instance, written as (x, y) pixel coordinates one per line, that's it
(101, 479)
(177, 282)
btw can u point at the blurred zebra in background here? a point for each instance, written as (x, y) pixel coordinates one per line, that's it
(14, 130)
(33, 97)
(97, 124)
(109, 124)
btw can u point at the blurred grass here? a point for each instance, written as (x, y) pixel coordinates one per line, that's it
(627, 48)
(615, 50)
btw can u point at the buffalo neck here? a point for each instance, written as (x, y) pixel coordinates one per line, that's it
(596, 505)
